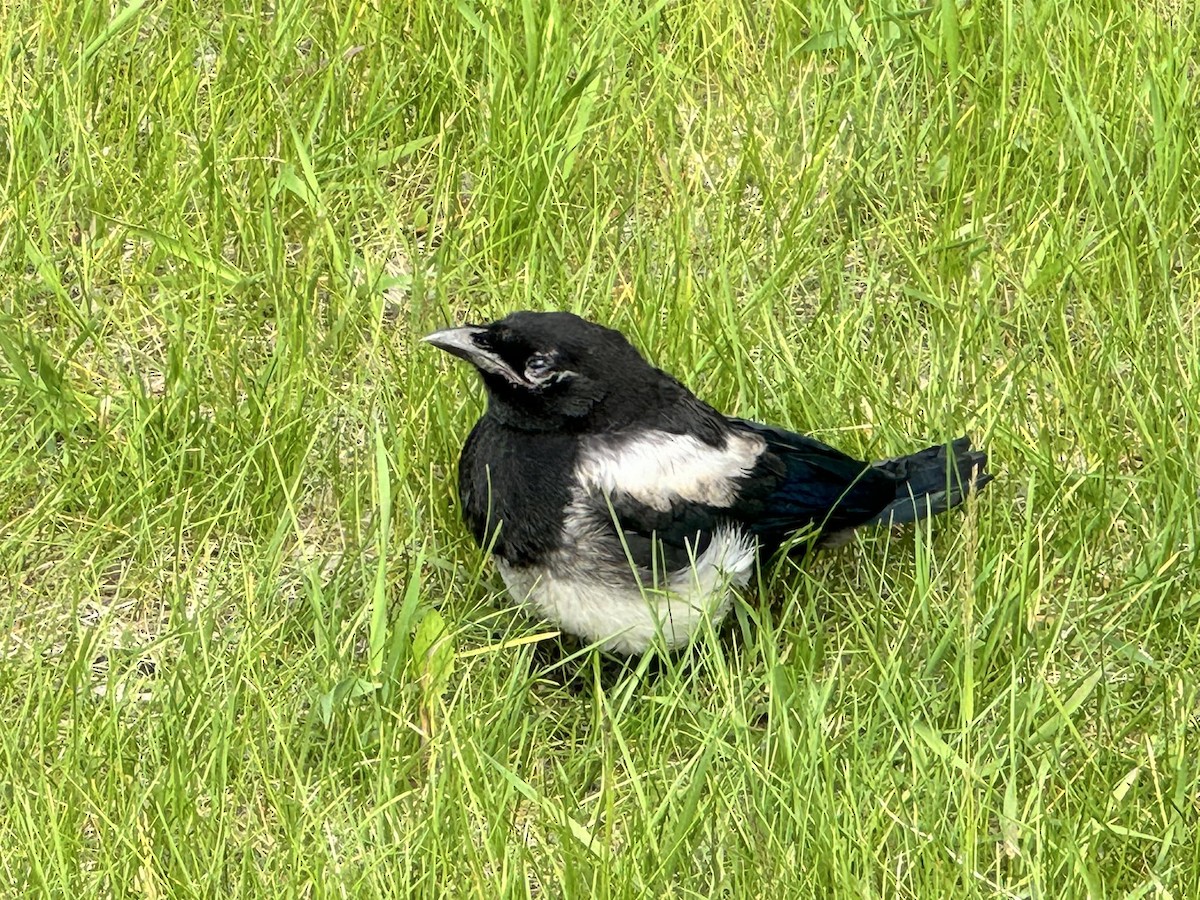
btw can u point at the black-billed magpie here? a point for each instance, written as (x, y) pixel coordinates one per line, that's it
(623, 508)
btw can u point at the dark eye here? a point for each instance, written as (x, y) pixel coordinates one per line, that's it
(538, 367)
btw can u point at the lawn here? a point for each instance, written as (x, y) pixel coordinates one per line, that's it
(248, 648)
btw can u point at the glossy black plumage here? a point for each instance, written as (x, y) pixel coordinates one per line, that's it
(593, 473)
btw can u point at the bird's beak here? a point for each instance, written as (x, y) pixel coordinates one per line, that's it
(460, 342)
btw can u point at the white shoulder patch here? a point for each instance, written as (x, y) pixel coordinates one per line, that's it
(658, 467)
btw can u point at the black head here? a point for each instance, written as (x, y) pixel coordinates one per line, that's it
(546, 370)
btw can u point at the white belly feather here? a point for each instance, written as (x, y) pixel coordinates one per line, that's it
(627, 618)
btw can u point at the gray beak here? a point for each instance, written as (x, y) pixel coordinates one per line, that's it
(460, 342)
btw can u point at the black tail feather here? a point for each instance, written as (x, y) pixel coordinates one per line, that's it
(932, 481)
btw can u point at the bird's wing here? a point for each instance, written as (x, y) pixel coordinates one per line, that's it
(819, 486)
(661, 541)
(661, 494)
(668, 494)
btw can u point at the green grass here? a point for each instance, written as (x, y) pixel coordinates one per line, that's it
(248, 648)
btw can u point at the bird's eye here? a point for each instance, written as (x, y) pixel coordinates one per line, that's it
(537, 367)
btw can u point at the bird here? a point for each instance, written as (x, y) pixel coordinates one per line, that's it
(624, 510)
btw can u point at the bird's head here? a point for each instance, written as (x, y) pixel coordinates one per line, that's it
(549, 370)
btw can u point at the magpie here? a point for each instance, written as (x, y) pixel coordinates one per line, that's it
(624, 509)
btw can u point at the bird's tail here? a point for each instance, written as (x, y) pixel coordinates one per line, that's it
(932, 481)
